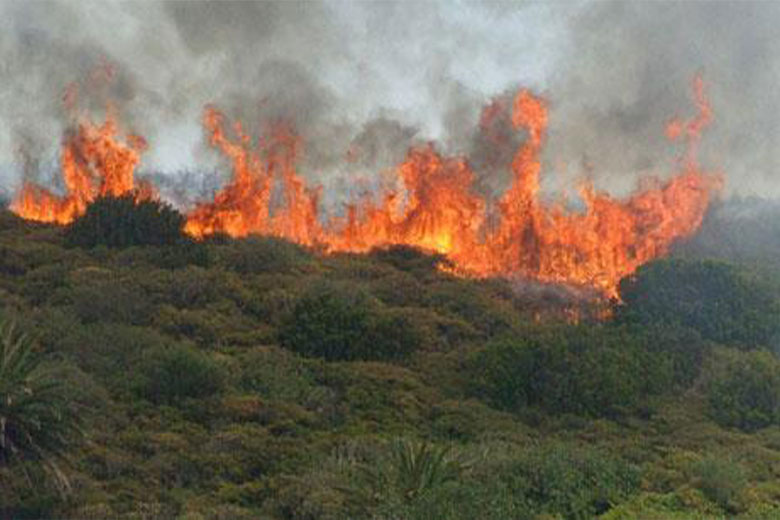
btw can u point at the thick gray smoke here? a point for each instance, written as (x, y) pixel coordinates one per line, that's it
(627, 68)
(362, 80)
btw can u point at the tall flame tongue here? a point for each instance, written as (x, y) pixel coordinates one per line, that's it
(245, 204)
(433, 206)
(436, 208)
(94, 162)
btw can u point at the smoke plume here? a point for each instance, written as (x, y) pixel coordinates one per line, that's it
(362, 81)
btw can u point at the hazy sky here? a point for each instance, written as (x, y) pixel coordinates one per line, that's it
(384, 74)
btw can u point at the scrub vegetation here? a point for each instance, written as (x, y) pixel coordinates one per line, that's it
(144, 375)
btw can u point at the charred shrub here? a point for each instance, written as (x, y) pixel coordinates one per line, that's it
(123, 222)
(342, 322)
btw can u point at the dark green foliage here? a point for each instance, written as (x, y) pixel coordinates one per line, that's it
(722, 481)
(38, 418)
(555, 481)
(743, 389)
(338, 322)
(465, 299)
(718, 300)
(171, 374)
(680, 350)
(124, 222)
(214, 369)
(410, 259)
(598, 371)
(405, 473)
(255, 255)
(575, 483)
(105, 299)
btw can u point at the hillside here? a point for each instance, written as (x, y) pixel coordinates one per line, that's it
(254, 378)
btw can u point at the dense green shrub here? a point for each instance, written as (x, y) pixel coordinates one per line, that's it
(182, 253)
(678, 349)
(342, 322)
(743, 389)
(715, 298)
(171, 374)
(587, 370)
(108, 299)
(262, 254)
(410, 259)
(123, 222)
(472, 303)
(575, 483)
(557, 481)
(722, 481)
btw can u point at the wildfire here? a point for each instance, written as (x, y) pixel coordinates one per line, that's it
(436, 208)
(433, 207)
(95, 162)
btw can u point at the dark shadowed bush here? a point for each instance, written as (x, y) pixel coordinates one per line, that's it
(596, 371)
(721, 302)
(123, 222)
(177, 372)
(743, 389)
(342, 322)
(410, 259)
(257, 254)
(721, 480)
(110, 300)
(571, 482)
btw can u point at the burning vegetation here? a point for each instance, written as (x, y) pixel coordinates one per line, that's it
(432, 206)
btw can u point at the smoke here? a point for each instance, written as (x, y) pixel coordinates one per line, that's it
(625, 71)
(360, 81)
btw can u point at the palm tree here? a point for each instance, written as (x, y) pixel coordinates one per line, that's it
(37, 420)
(408, 471)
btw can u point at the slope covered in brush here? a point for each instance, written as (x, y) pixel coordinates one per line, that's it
(255, 378)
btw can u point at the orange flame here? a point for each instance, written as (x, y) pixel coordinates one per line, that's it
(436, 209)
(432, 207)
(94, 162)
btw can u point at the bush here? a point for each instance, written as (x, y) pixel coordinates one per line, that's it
(257, 254)
(571, 483)
(716, 299)
(743, 390)
(721, 481)
(342, 322)
(105, 299)
(170, 375)
(596, 371)
(123, 222)
(470, 301)
(410, 259)
(557, 481)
